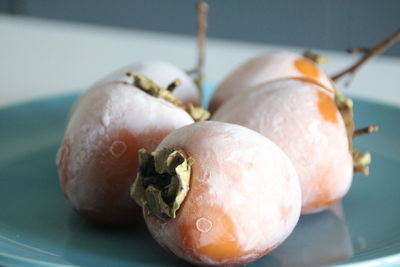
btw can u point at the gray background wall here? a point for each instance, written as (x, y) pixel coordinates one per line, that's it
(326, 24)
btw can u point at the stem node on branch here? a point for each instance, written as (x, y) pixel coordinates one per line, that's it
(368, 54)
(367, 130)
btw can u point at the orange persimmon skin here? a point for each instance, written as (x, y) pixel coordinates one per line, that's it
(307, 68)
(236, 210)
(301, 117)
(265, 68)
(97, 161)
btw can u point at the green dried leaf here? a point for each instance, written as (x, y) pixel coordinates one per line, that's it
(197, 113)
(319, 59)
(345, 106)
(153, 89)
(162, 182)
(361, 162)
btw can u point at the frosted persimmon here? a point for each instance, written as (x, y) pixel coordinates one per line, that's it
(302, 118)
(97, 160)
(218, 194)
(264, 68)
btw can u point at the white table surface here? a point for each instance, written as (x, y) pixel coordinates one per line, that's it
(41, 58)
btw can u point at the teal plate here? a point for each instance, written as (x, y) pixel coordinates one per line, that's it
(37, 227)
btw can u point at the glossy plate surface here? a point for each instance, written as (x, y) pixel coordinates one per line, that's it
(37, 227)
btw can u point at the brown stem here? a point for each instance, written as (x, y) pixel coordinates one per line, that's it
(369, 53)
(171, 87)
(367, 130)
(357, 50)
(202, 17)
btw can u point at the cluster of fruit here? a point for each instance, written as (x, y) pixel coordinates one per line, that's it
(220, 192)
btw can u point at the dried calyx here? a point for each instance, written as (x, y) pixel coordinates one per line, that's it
(153, 89)
(162, 182)
(361, 162)
(345, 106)
(317, 58)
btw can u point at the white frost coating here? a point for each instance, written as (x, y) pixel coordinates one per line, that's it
(238, 198)
(287, 113)
(162, 73)
(103, 116)
(244, 175)
(257, 70)
(106, 119)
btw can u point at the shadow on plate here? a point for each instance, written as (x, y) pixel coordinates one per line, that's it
(318, 239)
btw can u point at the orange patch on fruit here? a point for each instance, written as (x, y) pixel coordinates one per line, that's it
(211, 234)
(327, 107)
(306, 68)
